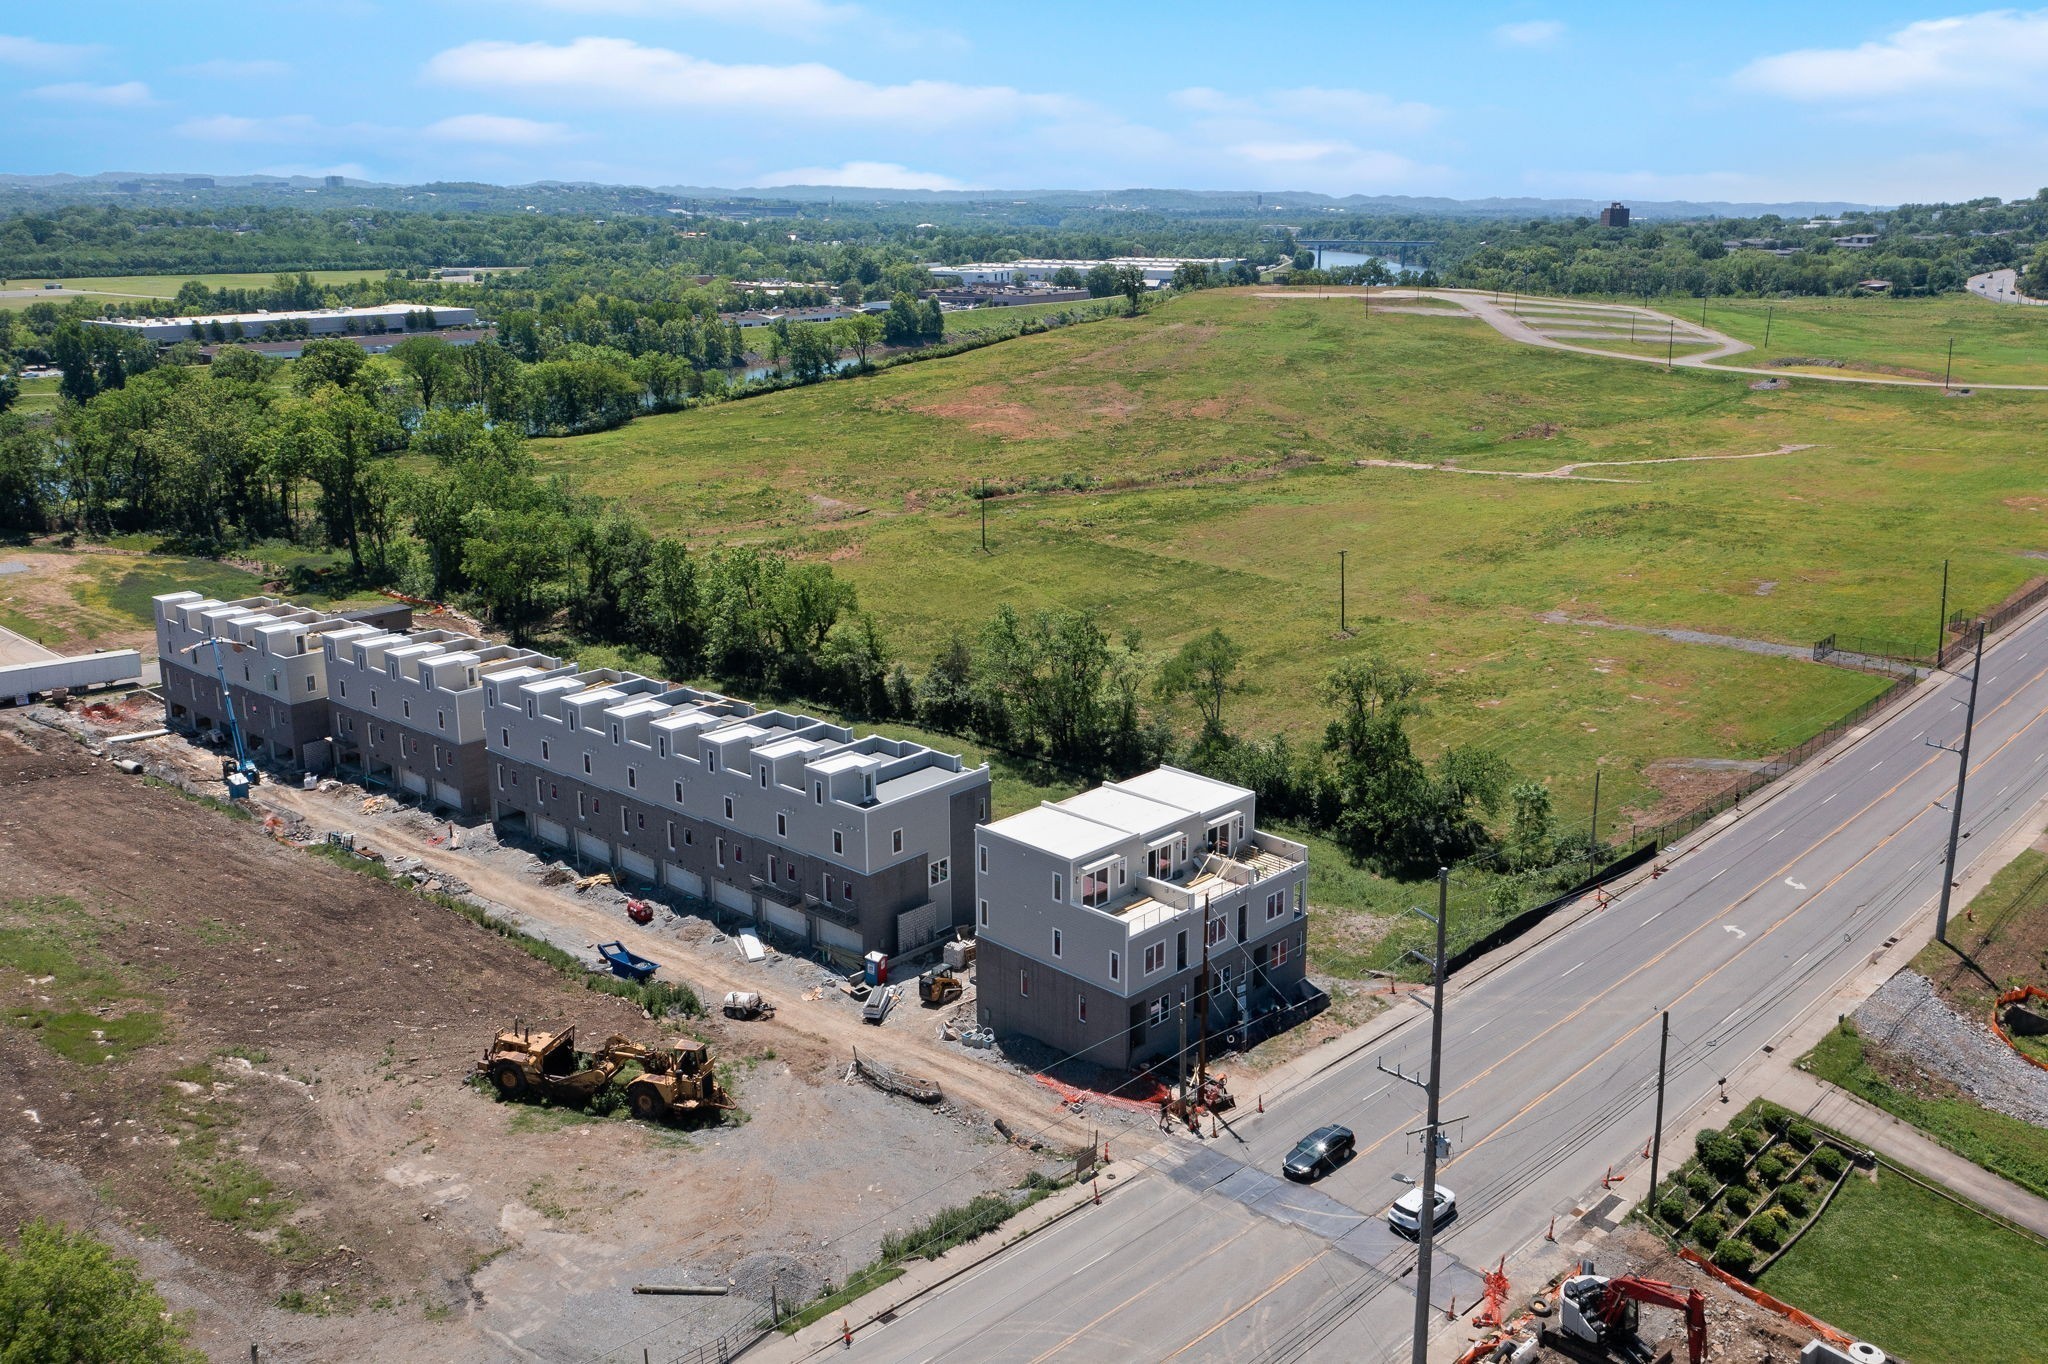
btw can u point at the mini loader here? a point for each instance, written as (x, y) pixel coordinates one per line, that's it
(522, 1063)
(938, 986)
(677, 1081)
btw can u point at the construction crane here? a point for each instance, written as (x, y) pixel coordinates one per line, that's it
(1602, 1312)
(241, 774)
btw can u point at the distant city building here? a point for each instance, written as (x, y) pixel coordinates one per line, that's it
(333, 181)
(1614, 215)
(1003, 296)
(1157, 270)
(385, 317)
(1856, 241)
(1874, 286)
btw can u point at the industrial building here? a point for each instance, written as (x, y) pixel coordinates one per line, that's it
(1096, 916)
(1614, 215)
(316, 322)
(853, 844)
(1158, 270)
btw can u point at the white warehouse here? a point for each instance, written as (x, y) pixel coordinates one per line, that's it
(385, 317)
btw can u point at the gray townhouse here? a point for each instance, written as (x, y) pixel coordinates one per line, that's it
(274, 664)
(407, 709)
(852, 844)
(1091, 915)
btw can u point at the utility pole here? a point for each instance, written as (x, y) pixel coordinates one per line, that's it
(1342, 592)
(1670, 346)
(1769, 308)
(1951, 368)
(1955, 821)
(1703, 307)
(1593, 832)
(1657, 1132)
(1941, 626)
(1202, 1056)
(983, 499)
(1426, 1223)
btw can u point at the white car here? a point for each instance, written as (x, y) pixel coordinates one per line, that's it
(1406, 1214)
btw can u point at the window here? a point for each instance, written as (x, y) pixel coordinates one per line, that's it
(373, 698)
(572, 719)
(625, 827)
(781, 825)
(838, 841)
(1081, 1008)
(406, 706)
(1155, 958)
(1276, 905)
(1095, 886)
(984, 914)
(441, 719)
(505, 739)
(983, 816)
(661, 745)
(1279, 953)
(671, 835)
(942, 871)
(983, 853)
(579, 805)
(774, 867)
(586, 763)
(501, 776)
(689, 838)
(309, 684)
(1059, 943)
(1116, 966)
(615, 733)
(825, 882)
(846, 892)
(554, 790)
(792, 871)
(1161, 1007)
(728, 807)
(1059, 887)
(1024, 984)
(896, 841)
(490, 696)
(633, 778)
(543, 750)
(639, 821)
(710, 760)
(679, 793)
(739, 855)
(529, 708)
(720, 845)
(1219, 929)
(595, 805)
(344, 686)
(764, 778)
(272, 679)
(1219, 837)
(1159, 861)
(818, 791)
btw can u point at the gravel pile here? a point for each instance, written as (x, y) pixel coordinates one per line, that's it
(1908, 1019)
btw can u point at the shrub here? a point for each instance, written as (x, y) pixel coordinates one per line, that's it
(1795, 1199)
(1739, 1199)
(1734, 1254)
(1769, 1228)
(948, 1228)
(1753, 1139)
(1701, 1184)
(1829, 1162)
(1709, 1230)
(1671, 1209)
(1802, 1136)
(1770, 1168)
(1720, 1154)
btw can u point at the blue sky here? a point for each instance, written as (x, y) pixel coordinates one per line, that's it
(1877, 102)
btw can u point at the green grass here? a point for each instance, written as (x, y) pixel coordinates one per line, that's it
(1918, 1274)
(1995, 343)
(2016, 1150)
(107, 595)
(64, 992)
(167, 286)
(971, 321)
(2004, 931)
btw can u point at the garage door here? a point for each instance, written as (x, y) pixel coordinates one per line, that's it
(448, 794)
(593, 847)
(688, 882)
(415, 782)
(832, 935)
(733, 897)
(787, 919)
(550, 831)
(639, 864)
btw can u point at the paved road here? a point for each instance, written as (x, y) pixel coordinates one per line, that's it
(1549, 1061)
(2001, 286)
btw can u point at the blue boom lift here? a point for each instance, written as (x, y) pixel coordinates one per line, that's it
(238, 772)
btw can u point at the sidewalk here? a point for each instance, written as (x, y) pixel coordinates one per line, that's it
(1900, 1141)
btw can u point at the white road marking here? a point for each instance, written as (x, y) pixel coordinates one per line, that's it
(1487, 1024)
(1573, 969)
(1731, 928)
(1774, 835)
(1716, 876)
(1879, 763)
(1796, 885)
(1921, 732)
(1652, 919)
(1833, 794)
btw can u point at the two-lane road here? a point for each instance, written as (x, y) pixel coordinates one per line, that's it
(1549, 1061)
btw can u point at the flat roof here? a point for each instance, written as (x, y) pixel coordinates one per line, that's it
(206, 319)
(1056, 831)
(1124, 810)
(1186, 790)
(910, 783)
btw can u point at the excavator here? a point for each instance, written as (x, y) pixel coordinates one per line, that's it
(1602, 1312)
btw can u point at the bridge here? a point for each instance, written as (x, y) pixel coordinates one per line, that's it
(1365, 246)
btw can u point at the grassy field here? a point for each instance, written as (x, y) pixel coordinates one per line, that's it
(2005, 1146)
(1916, 1273)
(166, 286)
(1995, 343)
(1195, 467)
(970, 320)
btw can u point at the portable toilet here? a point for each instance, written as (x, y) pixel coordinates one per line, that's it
(878, 968)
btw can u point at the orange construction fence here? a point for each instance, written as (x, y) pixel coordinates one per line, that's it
(2014, 997)
(1765, 1300)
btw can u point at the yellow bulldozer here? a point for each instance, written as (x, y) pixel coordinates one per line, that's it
(522, 1064)
(676, 1081)
(938, 986)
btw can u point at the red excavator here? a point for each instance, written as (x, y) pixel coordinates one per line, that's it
(1592, 1310)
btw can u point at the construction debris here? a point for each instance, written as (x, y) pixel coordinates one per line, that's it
(603, 878)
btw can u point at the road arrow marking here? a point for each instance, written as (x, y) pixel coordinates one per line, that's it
(1731, 928)
(1796, 885)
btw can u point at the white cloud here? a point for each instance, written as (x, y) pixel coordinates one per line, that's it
(230, 69)
(233, 128)
(796, 15)
(1530, 33)
(2001, 51)
(497, 130)
(862, 175)
(621, 72)
(126, 95)
(33, 52)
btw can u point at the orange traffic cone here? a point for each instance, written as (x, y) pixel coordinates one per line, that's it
(1551, 1235)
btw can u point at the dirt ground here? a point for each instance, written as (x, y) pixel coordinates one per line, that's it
(1738, 1330)
(278, 1126)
